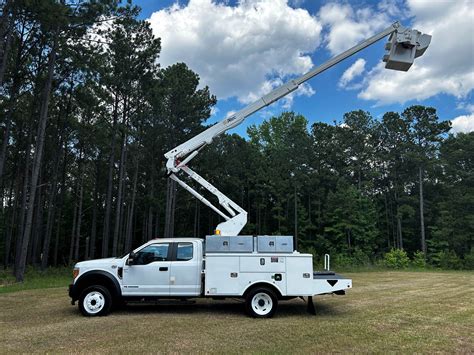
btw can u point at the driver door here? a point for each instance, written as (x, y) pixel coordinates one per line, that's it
(149, 275)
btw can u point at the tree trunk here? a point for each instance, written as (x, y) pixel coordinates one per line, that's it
(53, 190)
(196, 218)
(8, 119)
(110, 181)
(6, 35)
(91, 254)
(11, 102)
(73, 234)
(386, 220)
(118, 208)
(296, 219)
(49, 223)
(157, 222)
(9, 232)
(58, 232)
(60, 206)
(79, 216)
(128, 238)
(38, 232)
(24, 200)
(310, 236)
(43, 118)
(149, 224)
(144, 227)
(170, 208)
(349, 244)
(399, 223)
(399, 232)
(422, 217)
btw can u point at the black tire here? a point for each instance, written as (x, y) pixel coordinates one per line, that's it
(95, 301)
(261, 302)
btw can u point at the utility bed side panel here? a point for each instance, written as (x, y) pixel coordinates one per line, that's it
(262, 263)
(231, 275)
(299, 272)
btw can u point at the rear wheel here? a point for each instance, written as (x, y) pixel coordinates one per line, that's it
(261, 302)
(95, 301)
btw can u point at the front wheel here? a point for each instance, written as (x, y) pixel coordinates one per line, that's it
(261, 302)
(95, 301)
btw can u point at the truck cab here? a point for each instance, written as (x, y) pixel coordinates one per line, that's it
(158, 268)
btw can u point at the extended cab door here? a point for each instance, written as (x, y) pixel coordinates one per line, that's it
(185, 276)
(150, 273)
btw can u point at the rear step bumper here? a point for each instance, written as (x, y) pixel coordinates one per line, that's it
(329, 282)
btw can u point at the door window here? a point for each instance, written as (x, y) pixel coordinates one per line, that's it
(151, 253)
(185, 252)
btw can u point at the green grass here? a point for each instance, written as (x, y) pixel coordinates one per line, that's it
(34, 279)
(401, 311)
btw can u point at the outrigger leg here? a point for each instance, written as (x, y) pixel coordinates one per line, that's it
(310, 306)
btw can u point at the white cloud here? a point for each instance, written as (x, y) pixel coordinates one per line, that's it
(347, 26)
(463, 124)
(469, 107)
(446, 67)
(214, 110)
(239, 51)
(395, 8)
(352, 72)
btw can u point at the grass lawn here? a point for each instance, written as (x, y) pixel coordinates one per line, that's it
(384, 312)
(34, 279)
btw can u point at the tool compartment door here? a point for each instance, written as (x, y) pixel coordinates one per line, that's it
(299, 275)
(222, 273)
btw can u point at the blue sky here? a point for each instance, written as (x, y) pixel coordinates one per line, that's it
(243, 49)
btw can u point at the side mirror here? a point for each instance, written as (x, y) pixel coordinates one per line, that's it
(131, 258)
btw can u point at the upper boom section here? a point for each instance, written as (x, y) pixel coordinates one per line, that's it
(404, 46)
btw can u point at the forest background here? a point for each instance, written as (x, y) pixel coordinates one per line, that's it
(87, 114)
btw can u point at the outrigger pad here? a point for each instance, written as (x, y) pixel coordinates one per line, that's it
(310, 306)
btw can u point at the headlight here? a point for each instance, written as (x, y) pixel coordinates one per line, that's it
(75, 273)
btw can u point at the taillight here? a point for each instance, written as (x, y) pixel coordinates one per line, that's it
(75, 272)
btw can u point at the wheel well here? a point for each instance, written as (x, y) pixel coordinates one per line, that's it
(96, 278)
(263, 284)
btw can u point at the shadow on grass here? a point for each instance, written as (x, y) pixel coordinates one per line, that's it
(225, 308)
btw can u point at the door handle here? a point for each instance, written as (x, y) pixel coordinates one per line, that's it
(163, 269)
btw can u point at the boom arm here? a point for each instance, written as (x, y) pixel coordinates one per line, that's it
(404, 46)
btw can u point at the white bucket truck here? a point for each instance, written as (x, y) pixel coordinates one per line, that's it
(262, 269)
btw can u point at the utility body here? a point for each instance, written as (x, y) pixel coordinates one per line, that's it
(261, 269)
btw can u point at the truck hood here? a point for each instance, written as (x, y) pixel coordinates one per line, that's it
(99, 262)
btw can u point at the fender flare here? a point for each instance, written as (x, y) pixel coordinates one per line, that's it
(263, 283)
(90, 278)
